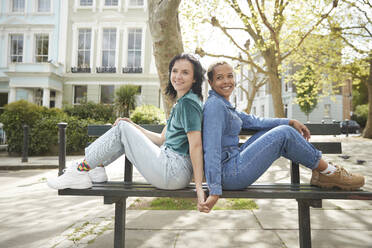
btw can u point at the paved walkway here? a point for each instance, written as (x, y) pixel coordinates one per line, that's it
(33, 216)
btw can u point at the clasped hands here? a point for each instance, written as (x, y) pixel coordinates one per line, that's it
(205, 204)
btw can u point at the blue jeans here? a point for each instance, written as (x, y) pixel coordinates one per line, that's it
(257, 154)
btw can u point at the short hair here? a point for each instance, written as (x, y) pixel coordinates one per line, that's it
(211, 67)
(198, 75)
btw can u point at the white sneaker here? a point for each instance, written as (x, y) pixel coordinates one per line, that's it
(71, 178)
(98, 175)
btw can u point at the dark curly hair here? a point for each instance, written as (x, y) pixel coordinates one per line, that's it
(198, 75)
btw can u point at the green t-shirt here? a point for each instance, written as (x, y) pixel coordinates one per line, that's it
(186, 115)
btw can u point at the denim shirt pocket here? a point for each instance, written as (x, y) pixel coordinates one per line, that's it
(225, 156)
(229, 167)
(235, 123)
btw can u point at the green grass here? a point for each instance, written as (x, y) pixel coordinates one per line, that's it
(190, 204)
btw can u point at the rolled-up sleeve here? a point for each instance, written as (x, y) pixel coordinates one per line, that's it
(213, 126)
(258, 123)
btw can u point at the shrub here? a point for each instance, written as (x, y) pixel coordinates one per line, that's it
(14, 117)
(360, 115)
(125, 99)
(76, 133)
(43, 128)
(91, 110)
(148, 114)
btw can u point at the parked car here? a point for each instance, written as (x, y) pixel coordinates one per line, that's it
(353, 126)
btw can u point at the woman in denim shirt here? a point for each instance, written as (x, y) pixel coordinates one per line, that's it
(230, 167)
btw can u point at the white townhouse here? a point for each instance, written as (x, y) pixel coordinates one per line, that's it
(329, 108)
(29, 41)
(106, 44)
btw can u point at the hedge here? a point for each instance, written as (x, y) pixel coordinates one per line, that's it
(43, 128)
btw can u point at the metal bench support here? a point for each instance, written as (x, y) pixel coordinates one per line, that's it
(119, 234)
(304, 223)
(295, 173)
(128, 171)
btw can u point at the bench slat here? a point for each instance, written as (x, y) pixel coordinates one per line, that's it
(274, 191)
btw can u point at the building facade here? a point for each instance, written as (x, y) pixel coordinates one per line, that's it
(107, 43)
(29, 41)
(59, 52)
(330, 108)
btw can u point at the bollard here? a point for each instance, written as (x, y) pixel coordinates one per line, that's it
(62, 147)
(347, 127)
(25, 143)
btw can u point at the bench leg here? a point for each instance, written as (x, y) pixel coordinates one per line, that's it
(119, 234)
(304, 223)
(295, 173)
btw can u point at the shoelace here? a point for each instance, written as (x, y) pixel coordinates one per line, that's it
(344, 172)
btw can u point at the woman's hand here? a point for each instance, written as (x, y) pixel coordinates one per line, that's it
(122, 119)
(301, 128)
(210, 202)
(202, 207)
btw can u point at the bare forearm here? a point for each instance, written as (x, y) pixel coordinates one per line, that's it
(196, 155)
(156, 138)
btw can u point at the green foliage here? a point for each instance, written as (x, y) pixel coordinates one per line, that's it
(40, 121)
(43, 130)
(236, 204)
(91, 110)
(307, 91)
(190, 204)
(361, 114)
(76, 133)
(125, 100)
(359, 71)
(148, 114)
(173, 204)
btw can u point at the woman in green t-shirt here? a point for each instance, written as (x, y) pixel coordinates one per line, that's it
(165, 160)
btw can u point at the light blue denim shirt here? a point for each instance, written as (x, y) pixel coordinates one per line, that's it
(221, 127)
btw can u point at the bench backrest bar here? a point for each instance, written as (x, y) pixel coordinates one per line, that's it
(315, 129)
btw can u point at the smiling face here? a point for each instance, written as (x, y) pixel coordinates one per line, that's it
(182, 77)
(223, 80)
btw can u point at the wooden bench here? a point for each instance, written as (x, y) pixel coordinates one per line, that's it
(306, 195)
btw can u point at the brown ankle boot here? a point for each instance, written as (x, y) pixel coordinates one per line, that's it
(341, 178)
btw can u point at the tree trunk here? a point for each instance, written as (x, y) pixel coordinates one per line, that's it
(274, 82)
(250, 97)
(367, 133)
(167, 39)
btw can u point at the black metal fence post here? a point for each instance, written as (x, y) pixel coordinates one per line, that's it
(62, 147)
(347, 127)
(25, 143)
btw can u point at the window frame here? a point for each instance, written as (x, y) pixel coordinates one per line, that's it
(11, 48)
(44, 12)
(85, 6)
(36, 48)
(11, 7)
(136, 6)
(84, 49)
(74, 102)
(109, 49)
(101, 91)
(128, 50)
(111, 5)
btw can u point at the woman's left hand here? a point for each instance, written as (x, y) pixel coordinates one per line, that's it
(301, 128)
(202, 206)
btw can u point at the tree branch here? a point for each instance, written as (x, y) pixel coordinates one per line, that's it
(324, 16)
(250, 62)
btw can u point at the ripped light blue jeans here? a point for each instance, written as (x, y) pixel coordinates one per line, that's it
(160, 166)
(255, 156)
